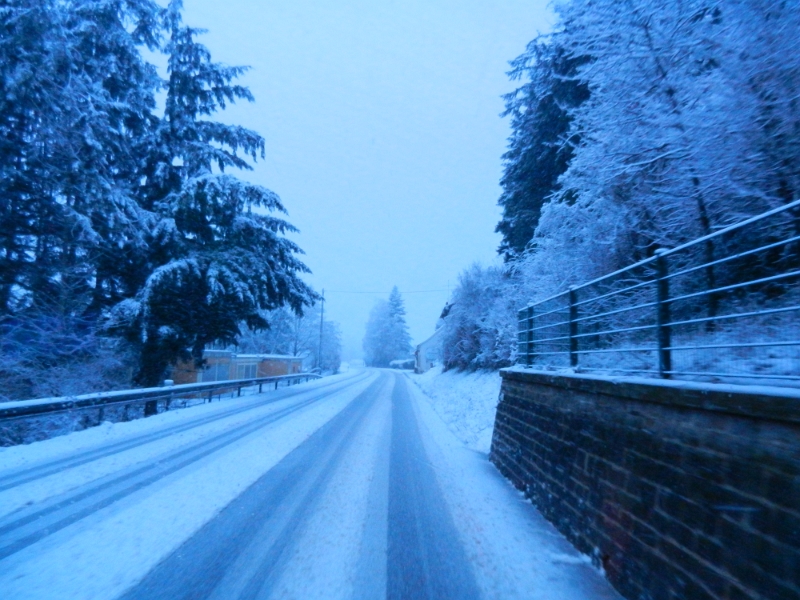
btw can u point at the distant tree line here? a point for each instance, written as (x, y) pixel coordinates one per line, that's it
(124, 240)
(637, 125)
(297, 335)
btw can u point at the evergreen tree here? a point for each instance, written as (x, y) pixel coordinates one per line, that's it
(217, 260)
(74, 109)
(76, 102)
(539, 149)
(387, 337)
(111, 216)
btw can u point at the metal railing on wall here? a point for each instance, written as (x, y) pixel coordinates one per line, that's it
(724, 305)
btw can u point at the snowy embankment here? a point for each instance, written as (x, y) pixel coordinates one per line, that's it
(465, 401)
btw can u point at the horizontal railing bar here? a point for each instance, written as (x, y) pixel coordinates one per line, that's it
(677, 249)
(725, 259)
(551, 325)
(563, 337)
(615, 292)
(755, 313)
(734, 227)
(129, 402)
(606, 350)
(550, 312)
(609, 331)
(603, 369)
(736, 286)
(42, 406)
(740, 375)
(617, 311)
(743, 345)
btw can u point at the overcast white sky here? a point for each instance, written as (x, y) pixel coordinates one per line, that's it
(383, 135)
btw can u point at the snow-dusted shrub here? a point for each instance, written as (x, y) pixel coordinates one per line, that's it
(48, 352)
(480, 329)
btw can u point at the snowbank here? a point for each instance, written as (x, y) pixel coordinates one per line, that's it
(465, 401)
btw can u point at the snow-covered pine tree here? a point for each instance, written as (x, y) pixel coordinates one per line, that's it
(539, 148)
(74, 109)
(116, 123)
(401, 340)
(34, 68)
(377, 351)
(218, 257)
(387, 336)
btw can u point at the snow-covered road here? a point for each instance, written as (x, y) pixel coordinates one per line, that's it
(345, 487)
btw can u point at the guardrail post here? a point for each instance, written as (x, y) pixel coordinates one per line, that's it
(573, 327)
(150, 408)
(663, 330)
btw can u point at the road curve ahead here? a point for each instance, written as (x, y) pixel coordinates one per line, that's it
(349, 489)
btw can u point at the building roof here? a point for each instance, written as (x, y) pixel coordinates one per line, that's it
(269, 356)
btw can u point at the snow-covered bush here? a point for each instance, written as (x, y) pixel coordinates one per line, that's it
(480, 328)
(55, 352)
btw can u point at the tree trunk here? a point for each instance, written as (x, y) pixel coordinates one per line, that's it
(712, 299)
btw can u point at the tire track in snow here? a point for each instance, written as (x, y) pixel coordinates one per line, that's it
(241, 552)
(425, 557)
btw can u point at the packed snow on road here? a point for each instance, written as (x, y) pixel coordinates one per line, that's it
(349, 486)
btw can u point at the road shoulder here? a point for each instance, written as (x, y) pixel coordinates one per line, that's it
(514, 551)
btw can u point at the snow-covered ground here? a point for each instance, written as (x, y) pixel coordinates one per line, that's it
(466, 402)
(102, 554)
(324, 454)
(514, 551)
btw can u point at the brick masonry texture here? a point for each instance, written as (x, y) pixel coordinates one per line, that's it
(677, 491)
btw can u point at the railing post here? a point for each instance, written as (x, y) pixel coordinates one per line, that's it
(529, 345)
(573, 327)
(663, 330)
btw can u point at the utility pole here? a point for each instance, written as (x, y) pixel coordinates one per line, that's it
(321, 320)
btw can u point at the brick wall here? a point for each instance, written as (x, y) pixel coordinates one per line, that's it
(679, 491)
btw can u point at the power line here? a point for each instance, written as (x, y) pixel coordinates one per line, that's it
(386, 293)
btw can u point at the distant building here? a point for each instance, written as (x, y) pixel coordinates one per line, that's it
(222, 365)
(266, 365)
(429, 353)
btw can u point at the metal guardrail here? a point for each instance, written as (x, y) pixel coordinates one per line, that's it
(723, 305)
(165, 394)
